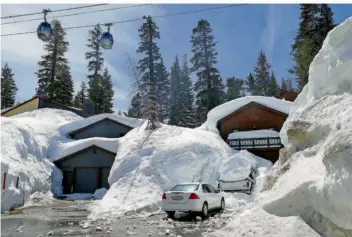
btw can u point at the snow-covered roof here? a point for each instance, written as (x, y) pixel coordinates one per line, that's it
(254, 134)
(228, 108)
(66, 149)
(130, 122)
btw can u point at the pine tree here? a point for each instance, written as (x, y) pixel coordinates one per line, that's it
(54, 78)
(273, 89)
(316, 21)
(95, 67)
(148, 34)
(135, 110)
(234, 88)
(81, 97)
(261, 75)
(96, 93)
(204, 60)
(8, 87)
(108, 96)
(163, 91)
(95, 55)
(250, 83)
(186, 118)
(175, 93)
(119, 113)
(283, 86)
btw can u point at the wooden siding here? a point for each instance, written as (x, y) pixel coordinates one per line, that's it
(24, 107)
(251, 117)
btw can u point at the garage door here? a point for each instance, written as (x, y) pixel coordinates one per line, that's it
(104, 177)
(86, 180)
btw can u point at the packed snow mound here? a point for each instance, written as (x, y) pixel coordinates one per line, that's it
(256, 222)
(313, 176)
(100, 193)
(25, 141)
(40, 199)
(149, 163)
(68, 148)
(254, 134)
(229, 107)
(128, 121)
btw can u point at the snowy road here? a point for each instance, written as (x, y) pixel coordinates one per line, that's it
(68, 218)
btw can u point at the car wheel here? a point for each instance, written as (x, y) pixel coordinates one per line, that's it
(170, 214)
(205, 210)
(222, 205)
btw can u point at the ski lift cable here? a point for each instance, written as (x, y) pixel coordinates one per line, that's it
(136, 19)
(58, 10)
(77, 14)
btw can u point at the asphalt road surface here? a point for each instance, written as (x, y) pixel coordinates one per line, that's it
(69, 218)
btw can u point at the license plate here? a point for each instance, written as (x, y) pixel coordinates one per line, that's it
(177, 198)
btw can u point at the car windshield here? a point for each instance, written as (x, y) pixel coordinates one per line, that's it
(185, 187)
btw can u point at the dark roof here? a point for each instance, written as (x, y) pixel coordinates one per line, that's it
(83, 150)
(97, 122)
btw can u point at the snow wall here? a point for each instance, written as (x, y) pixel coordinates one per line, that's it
(25, 140)
(313, 177)
(150, 163)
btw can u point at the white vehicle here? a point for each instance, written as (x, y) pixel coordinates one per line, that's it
(192, 197)
(243, 181)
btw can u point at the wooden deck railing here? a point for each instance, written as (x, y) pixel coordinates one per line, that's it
(248, 143)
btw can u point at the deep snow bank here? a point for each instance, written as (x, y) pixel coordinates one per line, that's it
(227, 108)
(148, 163)
(313, 177)
(25, 141)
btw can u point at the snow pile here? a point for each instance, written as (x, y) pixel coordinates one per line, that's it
(227, 108)
(253, 134)
(100, 193)
(79, 196)
(257, 222)
(25, 140)
(39, 199)
(65, 149)
(128, 121)
(149, 163)
(313, 177)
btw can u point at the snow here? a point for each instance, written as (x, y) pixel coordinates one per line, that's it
(39, 199)
(256, 222)
(25, 141)
(128, 121)
(150, 163)
(79, 196)
(313, 176)
(254, 134)
(65, 149)
(100, 193)
(229, 107)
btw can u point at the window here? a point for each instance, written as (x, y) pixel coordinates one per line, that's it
(185, 187)
(205, 189)
(212, 190)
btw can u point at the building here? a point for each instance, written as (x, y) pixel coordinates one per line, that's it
(39, 102)
(288, 95)
(252, 123)
(86, 161)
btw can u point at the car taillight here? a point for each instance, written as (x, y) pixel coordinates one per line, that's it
(193, 196)
(164, 196)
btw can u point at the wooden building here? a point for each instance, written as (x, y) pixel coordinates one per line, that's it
(38, 102)
(288, 95)
(254, 116)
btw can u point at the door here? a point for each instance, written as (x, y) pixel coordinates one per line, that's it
(208, 196)
(67, 182)
(86, 180)
(104, 176)
(216, 198)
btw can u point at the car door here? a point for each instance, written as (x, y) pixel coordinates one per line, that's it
(207, 195)
(215, 197)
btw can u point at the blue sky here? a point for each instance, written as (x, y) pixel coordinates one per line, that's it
(240, 31)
